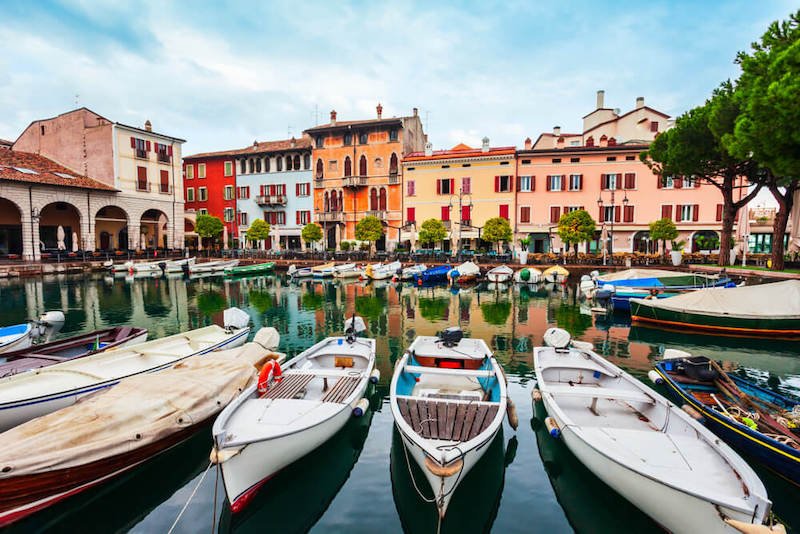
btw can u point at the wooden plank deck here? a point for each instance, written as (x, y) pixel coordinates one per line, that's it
(289, 386)
(439, 419)
(342, 389)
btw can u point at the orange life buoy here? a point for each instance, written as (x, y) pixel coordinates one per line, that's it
(270, 371)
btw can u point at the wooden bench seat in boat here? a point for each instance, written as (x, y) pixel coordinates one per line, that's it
(597, 392)
(447, 419)
(341, 389)
(418, 369)
(289, 386)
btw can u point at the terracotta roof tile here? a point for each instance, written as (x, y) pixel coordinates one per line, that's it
(461, 151)
(258, 148)
(367, 122)
(31, 168)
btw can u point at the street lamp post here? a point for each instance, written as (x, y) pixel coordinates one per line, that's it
(613, 205)
(461, 196)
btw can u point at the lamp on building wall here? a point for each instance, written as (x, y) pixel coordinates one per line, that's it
(600, 204)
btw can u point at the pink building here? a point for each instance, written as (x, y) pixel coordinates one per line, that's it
(599, 170)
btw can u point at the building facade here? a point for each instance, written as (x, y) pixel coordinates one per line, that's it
(143, 166)
(599, 170)
(209, 188)
(463, 187)
(356, 168)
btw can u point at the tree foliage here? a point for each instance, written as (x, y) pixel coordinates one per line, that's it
(663, 230)
(497, 230)
(208, 226)
(311, 233)
(258, 231)
(432, 231)
(576, 227)
(369, 229)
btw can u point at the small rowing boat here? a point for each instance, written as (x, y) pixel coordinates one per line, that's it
(647, 449)
(432, 275)
(528, 275)
(21, 336)
(212, 267)
(291, 412)
(303, 272)
(466, 273)
(255, 268)
(380, 271)
(349, 273)
(500, 274)
(555, 274)
(325, 270)
(408, 272)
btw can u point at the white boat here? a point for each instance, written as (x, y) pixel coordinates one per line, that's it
(465, 273)
(647, 449)
(291, 412)
(500, 274)
(22, 336)
(555, 274)
(350, 273)
(212, 266)
(408, 272)
(344, 268)
(303, 272)
(323, 271)
(380, 271)
(24, 396)
(160, 266)
(528, 275)
(448, 398)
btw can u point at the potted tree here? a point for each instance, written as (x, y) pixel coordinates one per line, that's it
(523, 253)
(676, 254)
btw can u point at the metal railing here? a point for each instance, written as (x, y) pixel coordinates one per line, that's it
(354, 181)
(270, 200)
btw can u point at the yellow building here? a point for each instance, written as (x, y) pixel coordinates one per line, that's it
(463, 187)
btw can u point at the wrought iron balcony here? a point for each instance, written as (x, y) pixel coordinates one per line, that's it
(354, 181)
(380, 214)
(394, 178)
(271, 200)
(330, 216)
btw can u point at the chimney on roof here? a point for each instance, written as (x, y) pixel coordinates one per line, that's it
(616, 111)
(255, 143)
(415, 112)
(428, 149)
(148, 125)
(557, 130)
(601, 97)
(293, 142)
(485, 145)
(379, 109)
(333, 116)
(639, 102)
(528, 143)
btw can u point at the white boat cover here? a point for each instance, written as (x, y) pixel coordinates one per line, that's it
(636, 274)
(556, 270)
(138, 411)
(502, 269)
(777, 300)
(468, 269)
(467, 349)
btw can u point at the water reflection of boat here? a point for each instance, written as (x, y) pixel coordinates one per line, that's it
(589, 504)
(305, 489)
(605, 321)
(473, 507)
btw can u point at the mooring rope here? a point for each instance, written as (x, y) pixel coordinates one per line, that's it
(185, 506)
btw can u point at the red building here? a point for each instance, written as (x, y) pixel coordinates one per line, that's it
(209, 187)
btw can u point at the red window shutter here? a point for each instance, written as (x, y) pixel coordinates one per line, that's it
(696, 212)
(533, 183)
(411, 214)
(297, 217)
(628, 214)
(580, 182)
(525, 214)
(518, 184)
(719, 212)
(600, 214)
(147, 146)
(547, 182)
(133, 142)
(169, 150)
(630, 180)
(603, 181)
(142, 173)
(678, 183)
(697, 183)
(504, 211)
(438, 187)
(297, 189)
(660, 182)
(666, 212)
(616, 213)
(564, 179)
(511, 184)
(452, 185)
(465, 213)
(496, 184)
(445, 213)
(555, 214)
(678, 210)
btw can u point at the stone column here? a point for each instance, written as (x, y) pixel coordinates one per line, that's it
(134, 235)
(30, 238)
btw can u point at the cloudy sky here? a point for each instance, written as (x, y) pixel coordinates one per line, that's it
(224, 74)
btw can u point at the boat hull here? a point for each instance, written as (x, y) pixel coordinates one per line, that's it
(21, 342)
(498, 278)
(674, 510)
(250, 269)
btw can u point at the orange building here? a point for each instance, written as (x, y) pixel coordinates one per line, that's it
(357, 173)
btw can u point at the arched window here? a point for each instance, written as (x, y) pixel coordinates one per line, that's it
(590, 141)
(327, 202)
(243, 165)
(341, 202)
(612, 142)
(279, 164)
(289, 163)
(382, 200)
(348, 166)
(252, 165)
(393, 164)
(296, 162)
(373, 199)
(362, 166)
(307, 161)
(266, 164)
(258, 164)
(319, 169)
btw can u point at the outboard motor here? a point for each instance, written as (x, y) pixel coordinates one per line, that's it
(604, 294)
(558, 338)
(185, 268)
(354, 326)
(163, 266)
(451, 336)
(48, 325)
(587, 285)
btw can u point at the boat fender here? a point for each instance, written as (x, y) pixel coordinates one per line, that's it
(749, 528)
(270, 371)
(511, 413)
(693, 413)
(536, 395)
(654, 377)
(444, 471)
(419, 281)
(361, 407)
(552, 427)
(374, 376)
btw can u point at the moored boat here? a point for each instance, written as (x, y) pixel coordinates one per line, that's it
(408, 272)
(46, 354)
(355, 272)
(381, 271)
(644, 447)
(27, 395)
(432, 275)
(555, 274)
(212, 267)
(291, 411)
(528, 275)
(762, 310)
(64, 453)
(448, 399)
(255, 268)
(500, 274)
(303, 272)
(325, 270)
(22, 336)
(466, 273)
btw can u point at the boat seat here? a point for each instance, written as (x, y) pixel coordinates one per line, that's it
(586, 365)
(124, 332)
(289, 386)
(342, 389)
(424, 370)
(447, 420)
(596, 392)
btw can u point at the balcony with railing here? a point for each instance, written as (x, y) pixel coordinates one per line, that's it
(394, 178)
(380, 214)
(354, 181)
(164, 157)
(318, 182)
(165, 188)
(271, 200)
(330, 216)
(141, 153)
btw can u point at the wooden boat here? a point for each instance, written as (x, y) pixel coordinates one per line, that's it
(303, 272)
(256, 268)
(291, 412)
(46, 354)
(209, 267)
(500, 274)
(448, 399)
(64, 453)
(349, 273)
(528, 275)
(555, 274)
(22, 336)
(408, 272)
(432, 275)
(380, 271)
(755, 420)
(767, 309)
(466, 273)
(27, 395)
(646, 448)
(323, 271)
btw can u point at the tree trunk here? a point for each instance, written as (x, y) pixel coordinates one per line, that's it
(725, 238)
(576, 252)
(785, 203)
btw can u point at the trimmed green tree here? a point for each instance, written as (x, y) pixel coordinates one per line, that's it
(208, 227)
(258, 231)
(311, 233)
(663, 230)
(369, 229)
(497, 230)
(576, 227)
(432, 231)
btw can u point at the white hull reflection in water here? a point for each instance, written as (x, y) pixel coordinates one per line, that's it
(304, 311)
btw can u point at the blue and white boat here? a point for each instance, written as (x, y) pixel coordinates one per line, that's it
(432, 275)
(661, 288)
(22, 336)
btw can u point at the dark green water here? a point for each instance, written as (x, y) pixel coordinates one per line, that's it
(360, 480)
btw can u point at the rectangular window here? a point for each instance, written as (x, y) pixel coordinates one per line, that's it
(445, 186)
(687, 212)
(555, 183)
(228, 214)
(362, 138)
(719, 212)
(466, 185)
(189, 172)
(466, 214)
(190, 194)
(411, 214)
(348, 139)
(627, 215)
(243, 218)
(569, 209)
(243, 191)
(163, 152)
(630, 180)
(556, 160)
(526, 162)
(140, 147)
(575, 182)
(303, 217)
(201, 170)
(668, 183)
(228, 168)
(164, 184)
(666, 212)
(202, 194)
(141, 179)
(611, 158)
(320, 141)
(574, 160)
(202, 211)
(392, 135)
(555, 214)
(654, 126)
(504, 211)
(630, 158)
(609, 181)
(689, 182)
(525, 214)
(524, 184)
(227, 193)
(410, 185)
(445, 213)
(502, 184)
(608, 212)
(303, 189)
